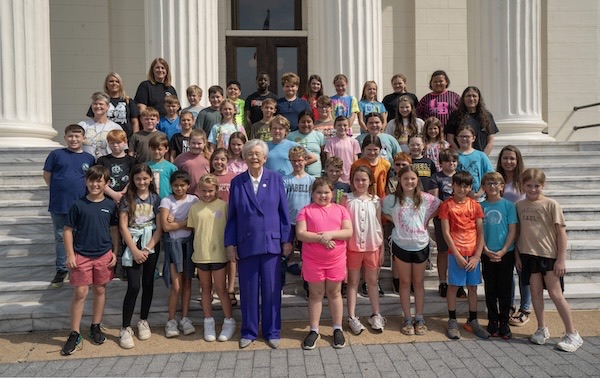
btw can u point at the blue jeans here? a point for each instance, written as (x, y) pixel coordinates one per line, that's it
(525, 291)
(58, 221)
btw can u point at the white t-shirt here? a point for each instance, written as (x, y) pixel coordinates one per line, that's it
(180, 210)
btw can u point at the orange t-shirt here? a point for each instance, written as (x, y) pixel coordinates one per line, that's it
(380, 173)
(463, 227)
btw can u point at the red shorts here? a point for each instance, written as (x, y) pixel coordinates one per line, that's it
(356, 260)
(91, 270)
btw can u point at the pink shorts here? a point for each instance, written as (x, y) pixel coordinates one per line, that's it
(312, 272)
(356, 260)
(91, 270)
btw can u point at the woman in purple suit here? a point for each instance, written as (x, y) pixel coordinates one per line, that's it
(257, 231)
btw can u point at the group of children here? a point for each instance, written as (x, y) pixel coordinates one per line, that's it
(171, 189)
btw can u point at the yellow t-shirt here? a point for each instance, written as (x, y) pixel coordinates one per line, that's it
(208, 223)
(537, 227)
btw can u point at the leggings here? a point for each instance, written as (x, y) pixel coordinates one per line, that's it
(144, 271)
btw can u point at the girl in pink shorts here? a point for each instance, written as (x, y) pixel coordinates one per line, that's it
(365, 248)
(324, 227)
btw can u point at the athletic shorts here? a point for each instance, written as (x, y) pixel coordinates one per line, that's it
(91, 270)
(411, 257)
(531, 264)
(458, 276)
(356, 260)
(311, 272)
(210, 267)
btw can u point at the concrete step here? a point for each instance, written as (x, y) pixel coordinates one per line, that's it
(24, 192)
(555, 157)
(12, 178)
(583, 230)
(50, 314)
(21, 163)
(21, 208)
(25, 226)
(588, 167)
(573, 182)
(18, 246)
(583, 249)
(570, 196)
(581, 212)
(535, 147)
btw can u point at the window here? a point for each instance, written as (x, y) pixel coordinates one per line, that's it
(266, 15)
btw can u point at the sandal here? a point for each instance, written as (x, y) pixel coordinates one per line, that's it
(520, 319)
(233, 299)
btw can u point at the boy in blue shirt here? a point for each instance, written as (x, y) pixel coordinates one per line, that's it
(64, 173)
(90, 257)
(161, 168)
(290, 105)
(169, 124)
(498, 258)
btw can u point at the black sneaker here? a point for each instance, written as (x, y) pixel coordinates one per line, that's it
(461, 293)
(363, 290)
(339, 341)
(492, 328)
(443, 289)
(310, 342)
(381, 293)
(74, 342)
(59, 279)
(96, 334)
(504, 331)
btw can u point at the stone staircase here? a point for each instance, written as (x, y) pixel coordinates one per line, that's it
(28, 303)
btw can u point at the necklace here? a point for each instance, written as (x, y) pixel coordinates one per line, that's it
(94, 142)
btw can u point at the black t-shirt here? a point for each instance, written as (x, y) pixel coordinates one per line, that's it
(472, 120)
(91, 223)
(253, 104)
(119, 170)
(121, 111)
(154, 95)
(426, 169)
(179, 144)
(391, 102)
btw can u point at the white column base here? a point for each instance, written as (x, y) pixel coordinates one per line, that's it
(521, 131)
(26, 135)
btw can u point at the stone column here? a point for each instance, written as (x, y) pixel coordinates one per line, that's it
(505, 63)
(25, 92)
(185, 33)
(346, 38)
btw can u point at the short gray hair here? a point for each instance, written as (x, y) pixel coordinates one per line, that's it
(101, 96)
(253, 143)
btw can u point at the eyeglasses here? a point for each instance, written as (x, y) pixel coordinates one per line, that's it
(493, 184)
(254, 154)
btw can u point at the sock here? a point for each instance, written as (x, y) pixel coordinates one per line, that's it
(419, 318)
(336, 326)
(472, 315)
(452, 314)
(315, 329)
(408, 318)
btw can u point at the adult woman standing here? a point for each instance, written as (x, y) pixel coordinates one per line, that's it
(472, 111)
(97, 127)
(152, 92)
(122, 109)
(257, 230)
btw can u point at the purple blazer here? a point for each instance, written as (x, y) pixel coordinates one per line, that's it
(257, 223)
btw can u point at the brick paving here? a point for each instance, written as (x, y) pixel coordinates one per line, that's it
(464, 358)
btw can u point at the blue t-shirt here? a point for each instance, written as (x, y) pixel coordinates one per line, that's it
(497, 216)
(169, 126)
(162, 174)
(298, 193)
(278, 159)
(442, 183)
(313, 142)
(90, 222)
(339, 189)
(367, 107)
(477, 164)
(343, 106)
(67, 183)
(291, 109)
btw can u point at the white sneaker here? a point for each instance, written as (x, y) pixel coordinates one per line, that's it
(209, 329)
(570, 343)
(144, 332)
(126, 338)
(377, 322)
(185, 324)
(540, 336)
(171, 328)
(355, 325)
(228, 329)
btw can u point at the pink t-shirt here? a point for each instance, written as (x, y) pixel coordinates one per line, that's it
(346, 149)
(321, 219)
(196, 165)
(224, 183)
